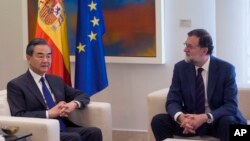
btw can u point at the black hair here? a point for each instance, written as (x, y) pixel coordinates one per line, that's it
(33, 43)
(205, 39)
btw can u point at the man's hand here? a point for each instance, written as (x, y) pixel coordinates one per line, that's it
(62, 109)
(191, 122)
(56, 110)
(197, 120)
(185, 121)
(67, 109)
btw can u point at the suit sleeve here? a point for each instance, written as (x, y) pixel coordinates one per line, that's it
(74, 94)
(63, 92)
(174, 99)
(228, 105)
(18, 102)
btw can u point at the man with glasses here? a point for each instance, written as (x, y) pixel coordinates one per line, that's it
(202, 99)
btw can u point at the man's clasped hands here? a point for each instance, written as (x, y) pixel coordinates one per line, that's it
(62, 109)
(191, 122)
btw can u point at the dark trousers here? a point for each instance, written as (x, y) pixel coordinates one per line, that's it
(163, 126)
(81, 134)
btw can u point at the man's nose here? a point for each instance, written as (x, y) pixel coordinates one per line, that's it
(185, 49)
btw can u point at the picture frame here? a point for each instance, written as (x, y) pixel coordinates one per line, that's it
(160, 35)
(158, 56)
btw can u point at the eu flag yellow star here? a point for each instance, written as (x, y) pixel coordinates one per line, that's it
(81, 48)
(92, 36)
(92, 6)
(95, 21)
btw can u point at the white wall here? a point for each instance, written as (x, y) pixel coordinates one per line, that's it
(230, 23)
(11, 41)
(130, 83)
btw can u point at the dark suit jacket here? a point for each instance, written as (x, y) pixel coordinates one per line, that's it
(25, 98)
(221, 90)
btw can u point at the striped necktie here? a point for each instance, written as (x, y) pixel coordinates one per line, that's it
(200, 93)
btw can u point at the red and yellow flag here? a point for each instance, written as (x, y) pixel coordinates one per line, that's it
(51, 26)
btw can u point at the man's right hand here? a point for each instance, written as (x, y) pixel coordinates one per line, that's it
(185, 120)
(56, 110)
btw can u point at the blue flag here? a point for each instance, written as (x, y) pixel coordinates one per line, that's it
(90, 67)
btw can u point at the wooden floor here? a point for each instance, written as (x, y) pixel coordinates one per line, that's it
(121, 135)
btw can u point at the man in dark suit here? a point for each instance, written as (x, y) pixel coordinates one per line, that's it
(27, 95)
(204, 105)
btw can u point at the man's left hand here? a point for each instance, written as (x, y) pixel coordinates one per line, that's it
(67, 109)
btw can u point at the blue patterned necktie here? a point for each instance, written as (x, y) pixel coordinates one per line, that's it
(200, 93)
(50, 102)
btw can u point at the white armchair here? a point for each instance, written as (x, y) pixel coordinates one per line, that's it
(157, 99)
(96, 114)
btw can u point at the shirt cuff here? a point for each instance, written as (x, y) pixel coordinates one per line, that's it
(212, 118)
(78, 103)
(47, 113)
(176, 116)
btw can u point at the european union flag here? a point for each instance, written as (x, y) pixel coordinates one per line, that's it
(90, 67)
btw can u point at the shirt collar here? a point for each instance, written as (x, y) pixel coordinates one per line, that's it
(35, 75)
(206, 65)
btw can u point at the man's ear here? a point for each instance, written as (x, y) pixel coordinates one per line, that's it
(28, 57)
(205, 50)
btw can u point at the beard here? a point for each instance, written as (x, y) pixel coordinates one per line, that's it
(189, 59)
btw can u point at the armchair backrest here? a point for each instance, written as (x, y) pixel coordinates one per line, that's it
(243, 101)
(4, 106)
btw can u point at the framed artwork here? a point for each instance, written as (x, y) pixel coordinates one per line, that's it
(134, 29)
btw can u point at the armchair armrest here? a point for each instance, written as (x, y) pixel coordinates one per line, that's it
(41, 129)
(97, 114)
(156, 104)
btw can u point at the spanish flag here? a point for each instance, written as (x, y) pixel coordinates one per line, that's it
(51, 26)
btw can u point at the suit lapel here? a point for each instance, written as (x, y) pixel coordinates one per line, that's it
(53, 87)
(33, 88)
(190, 73)
(212, 78)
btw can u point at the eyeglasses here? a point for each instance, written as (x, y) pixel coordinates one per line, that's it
(189, 46)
